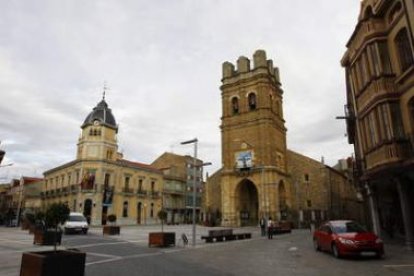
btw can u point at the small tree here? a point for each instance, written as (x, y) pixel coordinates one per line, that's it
(162, 215)
(56, 213)
(112, 218)
(29, 216)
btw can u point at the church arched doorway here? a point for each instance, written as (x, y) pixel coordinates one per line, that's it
(247, 204)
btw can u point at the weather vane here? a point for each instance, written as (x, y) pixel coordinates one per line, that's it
(105, 87)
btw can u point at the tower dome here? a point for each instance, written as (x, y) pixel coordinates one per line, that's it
(102, 115)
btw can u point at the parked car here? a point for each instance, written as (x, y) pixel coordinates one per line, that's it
(76, 223)
(346, 237)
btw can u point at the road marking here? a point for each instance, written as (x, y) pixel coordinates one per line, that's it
(401, 265)
(102, 255)
(124, 258)
(99, 244)
(104, 261)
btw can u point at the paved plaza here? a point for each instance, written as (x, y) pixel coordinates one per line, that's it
(129, 254)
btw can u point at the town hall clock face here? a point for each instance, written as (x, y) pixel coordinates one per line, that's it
(96, 122)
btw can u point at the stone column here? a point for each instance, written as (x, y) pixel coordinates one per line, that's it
(373, 210)
(406, 194)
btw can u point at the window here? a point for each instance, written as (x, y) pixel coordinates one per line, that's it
(309, 203)
(106, 181)
(405, 53)
(372, 131)
(252, 101)
(374, 59)
(306, 177)
(235, 105)
(411, 109)
(140, 185)
(394, 12)
(126, 184)
(125, 209)
(152, 210)
(384, 57)
(109, 154)
(396, 120)
(152, 186)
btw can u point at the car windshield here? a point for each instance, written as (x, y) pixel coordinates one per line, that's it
(348, 227)
(77, 218)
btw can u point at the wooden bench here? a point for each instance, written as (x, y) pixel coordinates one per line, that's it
(224, 235)
(282, 227)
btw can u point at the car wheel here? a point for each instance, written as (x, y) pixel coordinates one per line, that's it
(85, 231)
(335, 251)
(316, 245)
(66, 231)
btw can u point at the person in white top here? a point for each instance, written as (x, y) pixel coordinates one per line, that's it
(270, 228)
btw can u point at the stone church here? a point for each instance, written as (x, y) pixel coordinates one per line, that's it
(260, 176)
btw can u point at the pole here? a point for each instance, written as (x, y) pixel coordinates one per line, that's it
(194, 141)
(194, 192)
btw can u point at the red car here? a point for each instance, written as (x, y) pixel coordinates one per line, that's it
(346, 237)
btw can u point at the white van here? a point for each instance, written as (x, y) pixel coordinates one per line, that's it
(76, 223)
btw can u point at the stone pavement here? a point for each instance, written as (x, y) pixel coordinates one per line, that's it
(128, 254)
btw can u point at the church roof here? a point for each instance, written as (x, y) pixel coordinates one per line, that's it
(103, 114)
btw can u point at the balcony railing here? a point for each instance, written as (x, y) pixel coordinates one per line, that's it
(141, 193)
(127, 191)
(155, 194)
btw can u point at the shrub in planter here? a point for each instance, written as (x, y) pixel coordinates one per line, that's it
(28, 219)
(48, 231)
(55, 262)
(111, 229)
(162, 238)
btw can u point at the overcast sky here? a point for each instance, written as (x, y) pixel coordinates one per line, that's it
(162, 62)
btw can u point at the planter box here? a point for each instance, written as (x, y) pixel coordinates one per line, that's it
(51, 263)
(47, 237)
(161, 239)
(111, 230)
(25, 225)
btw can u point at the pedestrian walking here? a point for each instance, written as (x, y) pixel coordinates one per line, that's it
(270, 228)
(262, 224)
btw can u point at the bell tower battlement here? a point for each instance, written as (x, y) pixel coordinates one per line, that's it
(252, 126)
(260, 66)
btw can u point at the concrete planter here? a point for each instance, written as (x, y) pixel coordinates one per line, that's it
(111, 230)
(161, 239)
(47, 237)
(51, 263)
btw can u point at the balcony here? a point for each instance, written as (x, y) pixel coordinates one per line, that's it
(74, 189)
(88, 189)
(128, 191)
(141, 193)
(155, 194)
(376, 89)
(389, 153)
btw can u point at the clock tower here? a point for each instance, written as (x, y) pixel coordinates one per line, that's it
(254, 179)
(98, 138)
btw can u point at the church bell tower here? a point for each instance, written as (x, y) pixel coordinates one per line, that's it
(253, 131)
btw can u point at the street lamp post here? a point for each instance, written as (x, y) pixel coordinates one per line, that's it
(194, 141)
